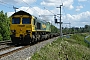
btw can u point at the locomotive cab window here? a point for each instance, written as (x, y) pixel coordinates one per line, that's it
(26, 20)
(15, 20)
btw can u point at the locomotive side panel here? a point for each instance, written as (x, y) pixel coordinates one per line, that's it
(48, 27)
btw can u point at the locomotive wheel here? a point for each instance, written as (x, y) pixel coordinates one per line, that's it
(33, 39)
(13, 40)
(37, 38)
(27, 39)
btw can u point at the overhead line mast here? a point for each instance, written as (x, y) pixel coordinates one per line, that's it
(60, 21)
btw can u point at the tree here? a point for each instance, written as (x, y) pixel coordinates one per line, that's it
(4, 26)
(54, 29)
(87, 28)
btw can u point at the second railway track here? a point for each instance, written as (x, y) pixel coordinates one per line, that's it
(6, 49)
(5, 42)
(11, 50)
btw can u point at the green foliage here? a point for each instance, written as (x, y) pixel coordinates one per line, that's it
(4, 26)
(54, 29)
(84, 29)
(87, 28)
(63, 49)
(80, 39)
(1, 37)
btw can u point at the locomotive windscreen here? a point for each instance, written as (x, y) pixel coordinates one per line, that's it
(15, 20)
(26, 20)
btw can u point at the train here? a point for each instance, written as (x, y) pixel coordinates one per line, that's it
(26, 28)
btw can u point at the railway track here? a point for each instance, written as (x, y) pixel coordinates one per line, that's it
(5, 42)
(11, 50)
(6, 47)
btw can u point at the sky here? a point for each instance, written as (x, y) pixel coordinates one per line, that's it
(75, 12)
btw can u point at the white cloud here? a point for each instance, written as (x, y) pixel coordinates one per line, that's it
(9, 13)
(19, 1)
(68, 4)
(78, 8)
(79, 19)
(25, 1)
(36, 11)
(75, 20)
(82, 0)
(54, 3)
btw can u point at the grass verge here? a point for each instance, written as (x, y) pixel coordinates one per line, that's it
(72, 48)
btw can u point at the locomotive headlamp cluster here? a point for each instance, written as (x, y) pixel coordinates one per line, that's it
(13, 31)
(27, 31)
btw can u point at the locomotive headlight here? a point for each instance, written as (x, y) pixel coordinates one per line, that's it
(13, 31)
(27, 31)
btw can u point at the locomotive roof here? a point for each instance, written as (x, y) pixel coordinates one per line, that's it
(21, 13)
